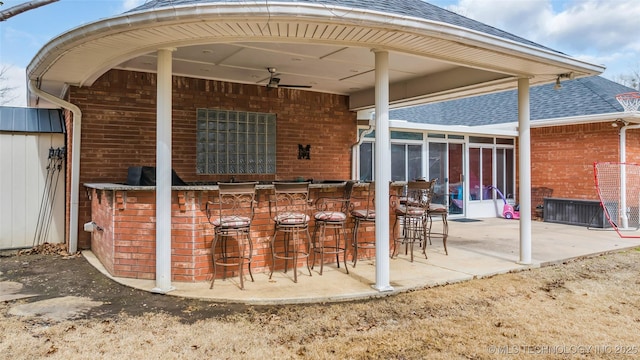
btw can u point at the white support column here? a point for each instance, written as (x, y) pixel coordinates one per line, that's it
(163, 173)
(382, 170)
(624, 215)
(623, 178)
(524, 136)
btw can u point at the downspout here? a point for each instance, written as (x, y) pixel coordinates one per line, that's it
(354, 148)
(623, 174)
(75, 160)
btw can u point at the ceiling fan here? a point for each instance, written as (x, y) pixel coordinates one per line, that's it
(274, 81)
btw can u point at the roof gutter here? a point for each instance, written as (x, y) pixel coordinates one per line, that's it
(575, 120)
(571, 120)
(75, 160)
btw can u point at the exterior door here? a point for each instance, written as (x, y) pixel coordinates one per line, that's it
(446, 163)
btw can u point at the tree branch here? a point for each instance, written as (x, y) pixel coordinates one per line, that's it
(18, 9)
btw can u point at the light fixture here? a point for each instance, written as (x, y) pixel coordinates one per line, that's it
(569, 75)
(557, 86)
(619, 122)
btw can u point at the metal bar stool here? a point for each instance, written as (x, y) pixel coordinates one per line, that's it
(411, 216)
(363, 211)
(289, 209)
(231, 218)
(440, 210)
(331, 213)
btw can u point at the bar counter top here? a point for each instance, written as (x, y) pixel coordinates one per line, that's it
(124, 187)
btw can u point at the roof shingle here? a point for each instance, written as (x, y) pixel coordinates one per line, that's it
(580, 97)
(409, 8)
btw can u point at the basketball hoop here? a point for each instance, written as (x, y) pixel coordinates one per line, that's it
(630, 101)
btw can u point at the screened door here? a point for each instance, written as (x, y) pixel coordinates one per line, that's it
(446, 164)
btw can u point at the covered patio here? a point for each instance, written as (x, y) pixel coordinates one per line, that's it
(477, 249)
(376, 55)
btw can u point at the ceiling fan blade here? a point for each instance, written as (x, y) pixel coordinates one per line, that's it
(295, 86)
(274, 81)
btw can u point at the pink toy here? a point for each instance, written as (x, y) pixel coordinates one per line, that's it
(508, 211)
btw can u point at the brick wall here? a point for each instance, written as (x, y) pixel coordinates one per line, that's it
(633, 146)
(562, 157)
(119, 122)
(125, 242)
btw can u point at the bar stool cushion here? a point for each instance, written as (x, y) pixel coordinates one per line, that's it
(364, 214)
(330, 216)
(291, 218)
(232, 222)
(437, 208)
(409, 210)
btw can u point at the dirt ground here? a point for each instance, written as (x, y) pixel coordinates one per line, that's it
(588, 308)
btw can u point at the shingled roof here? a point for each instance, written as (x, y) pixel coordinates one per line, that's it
(410, 8)
(580, 97)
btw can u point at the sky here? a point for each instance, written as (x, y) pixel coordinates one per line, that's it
(603, 32)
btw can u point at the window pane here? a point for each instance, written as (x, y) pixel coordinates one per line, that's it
(398, 163)
(509, 173)
(415, 162)
(438, 170)
(474, 173)
(366, 161)
(402, 135)
(371, 135)
(500, 169)
(487, 173)
(456, 177)
(437, 161)
(480, 140)
(504, 141)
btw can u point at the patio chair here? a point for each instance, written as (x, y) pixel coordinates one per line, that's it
(231, 218)
(289, 209)
(331, 213)
(363, 210)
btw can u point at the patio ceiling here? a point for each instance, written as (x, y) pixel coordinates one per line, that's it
(325, 47)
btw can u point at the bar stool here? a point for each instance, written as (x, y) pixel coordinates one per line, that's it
(411, 216)
(363, 210)
(289, 209)
(441, 211)
(231, 218)
(331, 213)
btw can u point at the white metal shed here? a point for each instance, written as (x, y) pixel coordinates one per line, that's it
(32, 177)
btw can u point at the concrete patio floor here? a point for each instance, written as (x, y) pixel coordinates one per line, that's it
(477, 249)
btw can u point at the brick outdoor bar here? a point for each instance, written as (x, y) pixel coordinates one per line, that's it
(125, 237)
